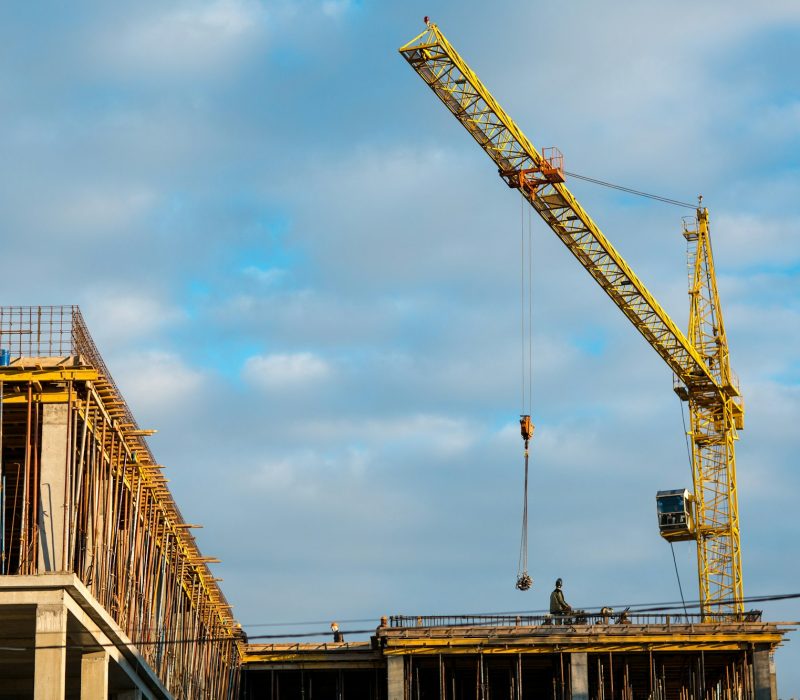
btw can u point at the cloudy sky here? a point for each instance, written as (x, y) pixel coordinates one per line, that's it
(305, 274)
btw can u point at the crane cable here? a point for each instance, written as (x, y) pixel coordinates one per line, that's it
(638, 193)
(524, 581)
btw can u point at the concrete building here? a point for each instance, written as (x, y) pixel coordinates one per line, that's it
(103, 590)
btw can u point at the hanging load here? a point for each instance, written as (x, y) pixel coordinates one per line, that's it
(524, 581)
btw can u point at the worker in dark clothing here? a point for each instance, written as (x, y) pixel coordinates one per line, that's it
(337, 635)
(558, 606)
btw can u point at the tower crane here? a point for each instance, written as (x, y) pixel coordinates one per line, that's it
(709, 515)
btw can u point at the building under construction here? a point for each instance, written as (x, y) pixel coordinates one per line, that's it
(103, 590)
(104, 593)
(597, 657)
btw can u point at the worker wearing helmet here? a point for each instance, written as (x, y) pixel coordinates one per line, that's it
(558, 606)
(337, 635)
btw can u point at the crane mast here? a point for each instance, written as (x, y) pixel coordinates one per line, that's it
(699, 363)
(714, 422)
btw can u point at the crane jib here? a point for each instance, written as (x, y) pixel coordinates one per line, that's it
(439, 65)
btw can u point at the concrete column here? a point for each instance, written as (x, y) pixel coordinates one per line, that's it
(762, 673)
(51, 652)
(395, 678)
(53, 487)
(94, 676)
(579, 676)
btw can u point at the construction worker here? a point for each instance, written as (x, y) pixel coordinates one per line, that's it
(337, 635)
(558, 606)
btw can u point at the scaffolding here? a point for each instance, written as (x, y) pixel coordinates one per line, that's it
(81, 492)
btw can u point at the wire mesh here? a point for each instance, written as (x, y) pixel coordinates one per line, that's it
(37, 331)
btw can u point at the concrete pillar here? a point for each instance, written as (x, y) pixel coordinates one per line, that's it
(52, 486)
(395, 678)
(579, 676)
(51, 652)
(762, 673)
(94, 676)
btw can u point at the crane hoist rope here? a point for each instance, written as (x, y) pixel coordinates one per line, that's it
(524, 580)
(698, 359)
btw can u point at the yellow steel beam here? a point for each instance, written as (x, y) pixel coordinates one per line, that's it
(50, 374)
(558, 640)
(712, 644)
(40, 397)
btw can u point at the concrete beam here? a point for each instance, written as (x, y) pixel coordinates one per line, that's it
(579, 675)
(395, 678)
(94, 676)
(49, 680)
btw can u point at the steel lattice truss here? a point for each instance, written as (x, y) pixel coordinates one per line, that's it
(713, 430)
(712, 396)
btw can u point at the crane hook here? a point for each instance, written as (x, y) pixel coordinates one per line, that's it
(526, 428)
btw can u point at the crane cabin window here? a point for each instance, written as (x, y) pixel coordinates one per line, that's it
(671, 504)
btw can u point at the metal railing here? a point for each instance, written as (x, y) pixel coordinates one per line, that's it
(577, 617)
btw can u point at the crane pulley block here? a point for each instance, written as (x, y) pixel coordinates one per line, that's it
(526, 428)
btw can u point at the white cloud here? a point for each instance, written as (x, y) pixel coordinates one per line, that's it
(98, 210)
(424, 433)
(117, 317)
(193, 37)
(284, 370)
(308, 473)
(154, 382)
(270, 277)
(748, 239)
(335, 8)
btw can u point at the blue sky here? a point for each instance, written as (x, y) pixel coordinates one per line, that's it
(304, 274)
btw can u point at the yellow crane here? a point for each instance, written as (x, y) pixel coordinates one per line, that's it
(700, 362)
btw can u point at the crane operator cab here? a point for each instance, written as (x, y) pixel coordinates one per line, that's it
(675, 515)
